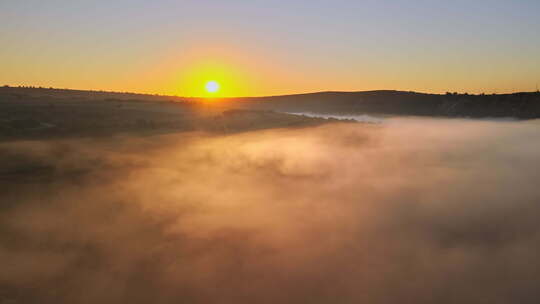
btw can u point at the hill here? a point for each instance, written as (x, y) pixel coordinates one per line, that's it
(523, 105)
(34, 113)
(516, 105)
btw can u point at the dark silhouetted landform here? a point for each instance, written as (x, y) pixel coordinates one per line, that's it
(523, 105)
(33, 113)
(516, 105)
(27, 112)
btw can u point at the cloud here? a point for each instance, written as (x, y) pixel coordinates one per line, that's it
(413, 210)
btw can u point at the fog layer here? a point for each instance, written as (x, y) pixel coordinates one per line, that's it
(360, 118)
(412, 211)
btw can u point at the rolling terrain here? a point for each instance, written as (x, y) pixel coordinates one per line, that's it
(521, 105)
(48, 113)
(40, 112)
(516, 105)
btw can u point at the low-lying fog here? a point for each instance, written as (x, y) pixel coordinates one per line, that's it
(414, 211)
(357, 117)
(368, 118)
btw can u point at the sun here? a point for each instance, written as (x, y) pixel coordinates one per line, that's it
(212, 86)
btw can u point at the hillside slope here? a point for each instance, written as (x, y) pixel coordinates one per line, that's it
(516, 105)
(524, 105)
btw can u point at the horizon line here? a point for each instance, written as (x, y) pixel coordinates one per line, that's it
(256, 96)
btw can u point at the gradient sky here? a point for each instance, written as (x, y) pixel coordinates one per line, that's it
(257, 47)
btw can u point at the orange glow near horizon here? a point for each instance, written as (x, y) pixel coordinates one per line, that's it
(241, 72)
(261, 48)
(204, 76)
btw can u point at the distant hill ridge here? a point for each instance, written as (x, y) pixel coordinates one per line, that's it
(522, 105)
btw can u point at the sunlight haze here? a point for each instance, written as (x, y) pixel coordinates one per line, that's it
(269, 151)
(255, 48)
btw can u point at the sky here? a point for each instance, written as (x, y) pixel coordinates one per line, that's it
(255, 47)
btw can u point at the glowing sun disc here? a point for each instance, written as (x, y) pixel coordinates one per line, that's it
(212, 86)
